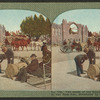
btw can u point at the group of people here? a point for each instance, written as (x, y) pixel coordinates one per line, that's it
(69, 42)
(79, 60)
(32, 67)
(72, 43)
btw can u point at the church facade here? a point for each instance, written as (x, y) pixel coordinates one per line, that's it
(2, 33)
(62, 32)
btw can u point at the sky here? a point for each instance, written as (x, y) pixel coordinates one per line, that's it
(11, 19)
(89, 17)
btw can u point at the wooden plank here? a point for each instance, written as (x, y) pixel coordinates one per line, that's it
(37, 81)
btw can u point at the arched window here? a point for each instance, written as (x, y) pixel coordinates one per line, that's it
(73, 29)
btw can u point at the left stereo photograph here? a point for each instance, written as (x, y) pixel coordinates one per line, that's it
(25, 51)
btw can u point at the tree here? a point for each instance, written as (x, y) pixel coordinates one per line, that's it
(48, 27)
(36, 26)
(27, 26)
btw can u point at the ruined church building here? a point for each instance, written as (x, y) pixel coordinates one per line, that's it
(61, 32)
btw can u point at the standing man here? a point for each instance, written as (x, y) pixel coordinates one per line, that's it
(46, 53)
(9, 54)
(43, 48)
(79, 59)
(91, 55)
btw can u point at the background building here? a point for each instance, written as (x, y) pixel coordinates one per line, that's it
(61, 32)
(2, 33)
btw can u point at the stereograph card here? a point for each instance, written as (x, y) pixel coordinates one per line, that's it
(50, 49)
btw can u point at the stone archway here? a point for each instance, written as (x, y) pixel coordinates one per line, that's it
(73, 28)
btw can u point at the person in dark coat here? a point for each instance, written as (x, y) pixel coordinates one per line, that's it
(46, 53)
(43, 48)
(79, 59)
(91, 55)
(33, 65)
(9, 54)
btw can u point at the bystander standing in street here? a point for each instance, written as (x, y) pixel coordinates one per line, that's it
(91, 55)
(43, 48)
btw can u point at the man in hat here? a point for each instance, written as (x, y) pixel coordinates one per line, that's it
(91, 55)
(33, 65)
(43, 48)
(46, 53)
(79, 59)
(9, 54)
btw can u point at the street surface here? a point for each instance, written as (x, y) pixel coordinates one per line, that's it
(64, 75)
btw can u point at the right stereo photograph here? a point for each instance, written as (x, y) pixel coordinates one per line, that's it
(76, 50)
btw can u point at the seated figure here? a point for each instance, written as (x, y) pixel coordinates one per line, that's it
(33, 65)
